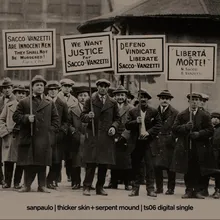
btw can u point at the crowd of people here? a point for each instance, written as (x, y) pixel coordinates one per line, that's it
(116, 132)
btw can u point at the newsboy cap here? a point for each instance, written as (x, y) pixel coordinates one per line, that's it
(215, 115)
(120, 89)
(6, 82)
(82, 89)
(194, 95)
(38, 78)
(20, 88)
(105, 81)
(68, 82)
(204, 97)
(52, 84)
(165, 93)
(145, 93)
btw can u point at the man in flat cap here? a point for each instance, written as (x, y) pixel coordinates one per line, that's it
(65, 95)
(164, 144)
(204, 98)
(8, 133)
(77, 132)
(122, 169)
(190, 159)
(144, 123)
(35, 152)
(99, 150)
(57, 148)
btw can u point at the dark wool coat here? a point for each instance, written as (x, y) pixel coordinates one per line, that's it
(201, 124)
(163, 145)
(152, 123)
(38, 149)
(101, 148)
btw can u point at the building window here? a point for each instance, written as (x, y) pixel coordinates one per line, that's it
(73, 8)
(15, 6)
(58, 28)
(93, 8)
(54, 7)
(34, 6)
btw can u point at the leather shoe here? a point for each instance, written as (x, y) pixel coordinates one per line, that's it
(187, 195)
(43, 190)
(25, 189)
(92, 188)
(51, 186)
(159, 191)
(134, 192)
(101, 192)
(205, 193)
(151, 194)
(109, 186)
(76, 186)
(169, 192)
(2, 182)
(128, 188)
(216, 194)
(86, 191)
(17, 186)
(6, 186)
(199, 196)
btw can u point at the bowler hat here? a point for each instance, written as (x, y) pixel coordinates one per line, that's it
(215, 115)
(120, 89)
(145, 93)
(82, 89)
(53, 84)
(38, 78)
(20, 88)
(194, 95)
(6, 82)
(105, 81)
(68, 82)
(165, 93)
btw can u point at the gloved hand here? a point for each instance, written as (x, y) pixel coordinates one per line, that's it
(189, 125)
(194, 135)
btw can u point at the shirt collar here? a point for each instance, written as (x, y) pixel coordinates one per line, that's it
(41, 96)
(164, 108)
(194, 111)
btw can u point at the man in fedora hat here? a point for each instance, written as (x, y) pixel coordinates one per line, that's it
(191, 159)
(77, 132)
(99, 150)
(35, 152)
(7, 91)
(65, 95)
(52, 88)
(144, 123)
(164, 144)
(122, 169)
(8, 133)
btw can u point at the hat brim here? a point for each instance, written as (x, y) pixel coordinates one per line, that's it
(44, 82)
(122, 91)
(168, 96)
(146, 95)
(6, 85)
(53, 87)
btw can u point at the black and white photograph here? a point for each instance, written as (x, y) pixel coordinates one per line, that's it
(109, 109)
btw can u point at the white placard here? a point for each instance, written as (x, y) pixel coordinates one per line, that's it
(29, 49)
(139, 55)
(191, 62)
(87, 53)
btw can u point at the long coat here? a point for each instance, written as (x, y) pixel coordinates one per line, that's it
(163, 145)
(58, 147)
(101, 148)
(77, 131)
(123, 157)
(9, 141)
(152, 124)
(201, 124)
(36, 150)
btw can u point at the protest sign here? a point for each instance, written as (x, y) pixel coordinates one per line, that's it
(87, 53)
(139, 55)
(191, 62)
(29, 49)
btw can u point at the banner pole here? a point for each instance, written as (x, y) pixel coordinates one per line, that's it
(31, 97)
(91, 106)
(139, 97)
(190, 143)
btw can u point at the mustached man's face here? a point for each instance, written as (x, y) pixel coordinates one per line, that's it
(120, 98)
(144, 100)
(164, 101)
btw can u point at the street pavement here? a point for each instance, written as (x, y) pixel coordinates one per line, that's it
(64, 203)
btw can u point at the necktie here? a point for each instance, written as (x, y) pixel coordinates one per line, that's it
(163, 109)
(102, 99)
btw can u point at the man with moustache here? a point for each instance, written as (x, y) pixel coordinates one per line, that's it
(78, 132)
(164, 144)
(190, 159)
(65, 95)
(99, 150)
(35, 152)
(144, 123)
(8, 96)
(8, 133)
(57, 147)
(122, 169)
